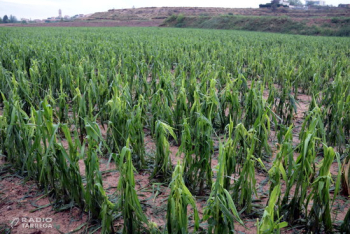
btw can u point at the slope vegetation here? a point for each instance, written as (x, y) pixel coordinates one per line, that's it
(314, 21)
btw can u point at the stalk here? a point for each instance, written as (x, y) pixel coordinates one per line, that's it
(162, 166)
(319, 217)
(179, 200)
(220, 211)
(128, 202)
(268, 224)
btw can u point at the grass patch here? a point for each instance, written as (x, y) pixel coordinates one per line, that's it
(280, 24)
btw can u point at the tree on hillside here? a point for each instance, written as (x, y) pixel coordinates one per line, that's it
(0, 20)
(295, 3)
(12, 19)
(274, 4)
(5, 19)
(310, 3)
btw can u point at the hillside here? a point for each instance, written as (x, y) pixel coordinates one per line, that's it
(327, 21)
(280, 24)
(151, 13)
(314, 21)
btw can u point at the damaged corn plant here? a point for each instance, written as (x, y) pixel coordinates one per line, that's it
(247, 115)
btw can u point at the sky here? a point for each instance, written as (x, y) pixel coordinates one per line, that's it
(42, 9)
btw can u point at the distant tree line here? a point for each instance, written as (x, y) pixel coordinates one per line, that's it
(274, 4)
(295, 3)
(6, 19)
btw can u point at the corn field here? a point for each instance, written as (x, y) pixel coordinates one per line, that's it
(235, 132)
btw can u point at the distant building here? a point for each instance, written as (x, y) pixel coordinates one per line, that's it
(60, 13)
(315, 2)
(284, 2)
(344, 5)
(52, 19)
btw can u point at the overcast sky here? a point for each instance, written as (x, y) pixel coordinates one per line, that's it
(41, 9)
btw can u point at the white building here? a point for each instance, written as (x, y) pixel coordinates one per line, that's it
(315, 2)
(284, 2)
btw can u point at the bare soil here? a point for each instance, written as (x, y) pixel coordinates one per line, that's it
(19, 200)
(99, 23)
